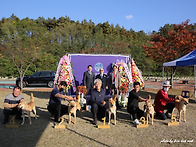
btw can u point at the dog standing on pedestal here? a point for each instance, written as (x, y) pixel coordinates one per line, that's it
(149, 109)
(112, 109)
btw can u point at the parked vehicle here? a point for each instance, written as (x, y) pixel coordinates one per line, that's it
(38, 78)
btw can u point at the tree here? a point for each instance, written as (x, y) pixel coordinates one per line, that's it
(20, 41)
(177, 41)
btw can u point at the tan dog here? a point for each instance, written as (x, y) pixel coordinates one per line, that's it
(180, 105)
(78, 107)
(72, 110)
(28, 108)
(149, 109)
(112, 109)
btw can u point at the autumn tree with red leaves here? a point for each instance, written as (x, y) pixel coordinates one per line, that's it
(178, 41)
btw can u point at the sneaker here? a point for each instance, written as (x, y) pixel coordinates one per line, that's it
(131, 117)
(136, 122)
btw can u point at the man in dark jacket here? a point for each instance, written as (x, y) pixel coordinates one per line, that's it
(103, 78)
(55, 107)
(132, 106)
(88, 79)
(98, 103)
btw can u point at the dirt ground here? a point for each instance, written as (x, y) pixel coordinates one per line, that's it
(124, 133)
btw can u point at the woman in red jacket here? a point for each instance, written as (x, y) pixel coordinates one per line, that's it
(163, 102)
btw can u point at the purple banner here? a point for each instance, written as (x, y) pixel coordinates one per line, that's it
(81, 61)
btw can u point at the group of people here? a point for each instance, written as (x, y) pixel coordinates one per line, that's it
(112, 83)
(162, 102)
(96, 88)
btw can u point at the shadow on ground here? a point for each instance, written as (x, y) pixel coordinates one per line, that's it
(25, 135)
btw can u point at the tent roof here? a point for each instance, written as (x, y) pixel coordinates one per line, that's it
(186, 60)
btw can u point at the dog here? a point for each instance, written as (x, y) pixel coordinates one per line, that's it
(180, 105)
(149, 109)
(112, 109)
(78, 107)
(72, 110)
(28, 108)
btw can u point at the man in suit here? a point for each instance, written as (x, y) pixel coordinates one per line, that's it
(114, 80)
(88, 79)
(103, 78)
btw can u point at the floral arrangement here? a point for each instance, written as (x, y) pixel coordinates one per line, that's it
(123, 89)
(81, 89)
(125, 75)
(64, 73)
(136, 75)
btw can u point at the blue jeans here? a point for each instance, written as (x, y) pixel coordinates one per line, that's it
(169, 107)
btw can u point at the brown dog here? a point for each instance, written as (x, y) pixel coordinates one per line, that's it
(30, 107)
(180, 105)
(78, 107)
(72, 110)
(112, 109)
(149, 109)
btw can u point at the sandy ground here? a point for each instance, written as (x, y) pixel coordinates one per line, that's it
(41, 132)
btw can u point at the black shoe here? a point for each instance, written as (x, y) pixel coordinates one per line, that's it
(19, 118)
(4, 122)
(95, 122)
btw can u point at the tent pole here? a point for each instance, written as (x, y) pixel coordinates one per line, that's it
(163, 73)
(195, 81)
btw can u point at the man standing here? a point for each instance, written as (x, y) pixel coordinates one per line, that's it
(55, 107)
(10, 104)
(114, 80)
(88, 79)
(103, 78)
(132, 106)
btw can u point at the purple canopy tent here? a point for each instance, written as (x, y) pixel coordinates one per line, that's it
(81, 61)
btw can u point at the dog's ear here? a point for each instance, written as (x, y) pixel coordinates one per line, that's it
(115, 97)
(149, 97)
(78, 96)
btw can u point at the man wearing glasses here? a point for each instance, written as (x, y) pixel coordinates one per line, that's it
(103, 78)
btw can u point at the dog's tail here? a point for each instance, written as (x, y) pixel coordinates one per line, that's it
(31, 96)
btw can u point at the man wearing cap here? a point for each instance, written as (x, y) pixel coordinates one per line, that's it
(163, 102)
(55, 107)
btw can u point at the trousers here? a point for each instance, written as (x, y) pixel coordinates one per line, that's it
(98, 111)
(14, 111)
(135, 112)
(169, 107)
(57, 110)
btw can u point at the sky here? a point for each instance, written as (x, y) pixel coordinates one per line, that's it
(146, 15)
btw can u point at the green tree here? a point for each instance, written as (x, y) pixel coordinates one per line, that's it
(20, 42)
